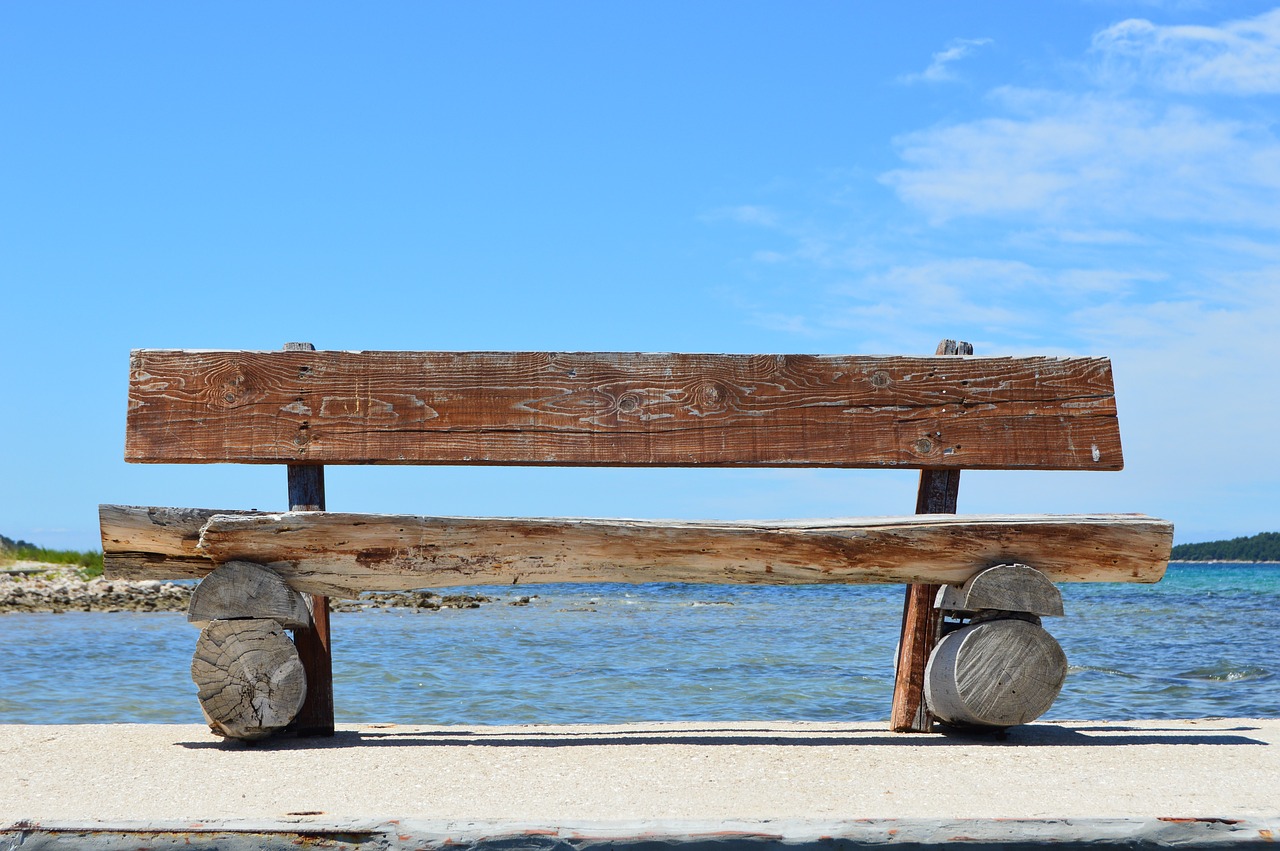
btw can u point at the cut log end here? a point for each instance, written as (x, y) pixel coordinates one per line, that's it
(1005, 587)
(998, 673)
(250, 679)
(243, 589)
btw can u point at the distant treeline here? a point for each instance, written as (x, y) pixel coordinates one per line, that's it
(90, 561)
(1261, 547)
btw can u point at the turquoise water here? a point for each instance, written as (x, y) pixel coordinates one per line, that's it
(1201, 643)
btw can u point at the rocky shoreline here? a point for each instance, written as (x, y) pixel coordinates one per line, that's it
(30, 587)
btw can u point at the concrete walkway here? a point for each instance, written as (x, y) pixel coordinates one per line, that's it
(1216, 781)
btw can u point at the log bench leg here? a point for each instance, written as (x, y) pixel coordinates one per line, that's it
(995, 673)
(937, 495)
(919, 635)
(996, 666)
(250, 680)
(250, 677)
(306, 493)
(316, 715)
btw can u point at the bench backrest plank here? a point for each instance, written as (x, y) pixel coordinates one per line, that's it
(621, 409)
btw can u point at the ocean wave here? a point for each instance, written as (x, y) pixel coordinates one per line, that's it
(1226, 672)
(1094, 669)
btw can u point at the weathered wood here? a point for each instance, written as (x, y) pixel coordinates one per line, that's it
(155, 543)
(917, 636)
(315, 718)
(1005, 587)
(937, 494)
(621, 409)
(998, 673)
(243, 589)
(1112, 547)
(249, 677)
(909, 713)
(344, 554)
(306, 487)
(306, 493)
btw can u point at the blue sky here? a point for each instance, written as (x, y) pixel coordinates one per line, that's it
(1097, 178)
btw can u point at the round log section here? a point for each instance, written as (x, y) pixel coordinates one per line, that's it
(249, 677)
(1005, 587)
(243, 589)
(997, 673)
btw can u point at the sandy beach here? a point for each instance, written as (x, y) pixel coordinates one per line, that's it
(784, 778)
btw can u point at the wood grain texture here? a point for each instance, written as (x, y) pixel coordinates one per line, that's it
(315, 650)
(621, 409)
(908, 712)
(1006, 588)
(250, 681)
(998, 673)
(938, 493)
(243, 589)
(306, 487)
(154, 543)
(315, 645)
(343, 554)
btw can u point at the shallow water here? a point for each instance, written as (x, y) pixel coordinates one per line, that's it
(1201, 643)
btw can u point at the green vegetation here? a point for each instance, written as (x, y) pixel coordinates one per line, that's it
(1261, 547)
(89, 562)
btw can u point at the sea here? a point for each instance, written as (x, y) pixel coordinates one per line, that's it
(1201, 643)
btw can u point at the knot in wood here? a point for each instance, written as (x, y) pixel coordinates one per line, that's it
(227, 384)
(628, 403)
(233, 392)
(710, 396)
(924, 446)
(880, 378)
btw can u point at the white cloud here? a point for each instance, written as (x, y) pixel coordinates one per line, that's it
(939, 69)
(1005, 300)
(1081, 236)
(1090, 158)
(1137, 223)
(746, 214)
(1195, 382)
(1238, 57)
(793, 324)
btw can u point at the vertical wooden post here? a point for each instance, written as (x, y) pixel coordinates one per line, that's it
(937, 495)
(306, 493)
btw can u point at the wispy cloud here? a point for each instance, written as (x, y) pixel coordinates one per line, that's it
(1099, 170)
(1081, 236)
(793, 324)
(1007, 300)
(939, 70)
(1130, 211)
(746, 214)
(1104, 219)
(1092, 158)
(1238, 57)
(1089, 160)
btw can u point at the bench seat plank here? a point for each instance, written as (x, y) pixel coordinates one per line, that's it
(149, 542)
(341, 554)
(621, 409)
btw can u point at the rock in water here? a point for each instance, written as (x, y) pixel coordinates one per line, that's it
(249, 676)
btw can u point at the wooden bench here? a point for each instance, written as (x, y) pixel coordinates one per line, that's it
(306, 409)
